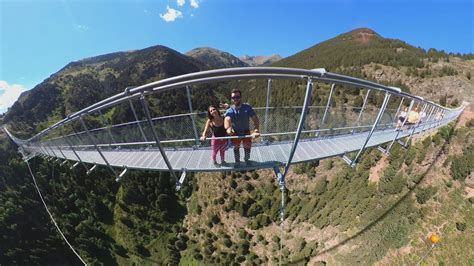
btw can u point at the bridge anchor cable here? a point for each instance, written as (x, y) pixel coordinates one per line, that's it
(51, 216)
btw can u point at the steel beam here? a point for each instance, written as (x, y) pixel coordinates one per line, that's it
(191, 114)
(379, 116)
(307, 100)
(328, 104)
(157, 139)
(91, 138)
(267, 105)
(136, 119)
(401, 127)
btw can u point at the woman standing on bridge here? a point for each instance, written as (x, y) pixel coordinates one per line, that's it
(216, 122)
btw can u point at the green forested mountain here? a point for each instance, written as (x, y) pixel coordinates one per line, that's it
(356, 48)
(381, 212)
(84, 82)
(215, 59)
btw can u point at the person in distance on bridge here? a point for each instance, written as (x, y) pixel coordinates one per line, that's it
(216, 122)
(237, 123)
(413, 117)
(402, 117)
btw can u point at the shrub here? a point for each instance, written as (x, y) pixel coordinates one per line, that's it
(227, 242)
(462, 165)
(424, 194)
(233, 184)
(460, 226)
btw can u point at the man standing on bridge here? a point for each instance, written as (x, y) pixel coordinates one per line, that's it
(237, 123)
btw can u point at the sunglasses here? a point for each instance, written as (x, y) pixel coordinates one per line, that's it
(235, 97)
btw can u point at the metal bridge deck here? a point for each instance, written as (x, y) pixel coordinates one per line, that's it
(262, 155)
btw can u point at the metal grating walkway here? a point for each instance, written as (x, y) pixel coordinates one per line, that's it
(262, 156)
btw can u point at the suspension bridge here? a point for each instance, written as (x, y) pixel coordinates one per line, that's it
(290, 133)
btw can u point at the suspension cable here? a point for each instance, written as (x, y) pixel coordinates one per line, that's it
(282, 219)
(51, 216)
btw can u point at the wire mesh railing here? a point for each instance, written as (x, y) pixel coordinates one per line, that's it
(132, 121)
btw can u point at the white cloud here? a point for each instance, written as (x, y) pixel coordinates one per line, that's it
(80, 27)
(9, 94)
(171, 14)
(195, 3)
(181, 2)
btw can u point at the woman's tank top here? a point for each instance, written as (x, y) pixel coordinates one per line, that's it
(218, 131)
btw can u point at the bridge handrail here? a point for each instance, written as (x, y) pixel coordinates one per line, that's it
(230, 74)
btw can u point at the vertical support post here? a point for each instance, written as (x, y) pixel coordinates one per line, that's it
(401, 127)
(73, 150)
(157, 139)
(97, 147)
(190, 104)
(45, 150)
(438, 115)
(362, 109)
(379, 116)
(307, 99)
(267, 105)
(398, 111)
(108, 128)
(328, 104)
(136, 119)
(444, 115)
(52, 151)
(59, 148)
(429, 117)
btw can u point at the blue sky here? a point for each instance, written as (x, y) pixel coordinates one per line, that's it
(39, 37)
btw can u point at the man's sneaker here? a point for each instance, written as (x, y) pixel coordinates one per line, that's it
(216, 164)
(248, 162)
(224, 163)
(237, 164)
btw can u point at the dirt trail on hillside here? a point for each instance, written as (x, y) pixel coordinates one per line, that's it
(376, 171)
(465, 117)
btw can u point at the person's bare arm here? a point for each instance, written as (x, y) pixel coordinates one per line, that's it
(228, 125)
(256, 125)
(206, 128)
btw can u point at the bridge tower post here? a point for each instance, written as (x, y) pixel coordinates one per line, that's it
(429, 117)
(267, 104)
(91, 138)
(357, 123)
(136, 119)
(395, 117)
(109, 130)
(379, 117)
(191, 114)
(387, 151)
(73, 150)
(157, 139)
(304, 111)
(328, 104)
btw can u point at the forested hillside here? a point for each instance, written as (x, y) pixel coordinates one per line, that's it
(381, 212)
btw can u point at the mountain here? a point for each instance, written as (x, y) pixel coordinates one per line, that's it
(260, 60)
(380, 212)
(442, 77)
(356, 48)
(215, 59)
(83, 82)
